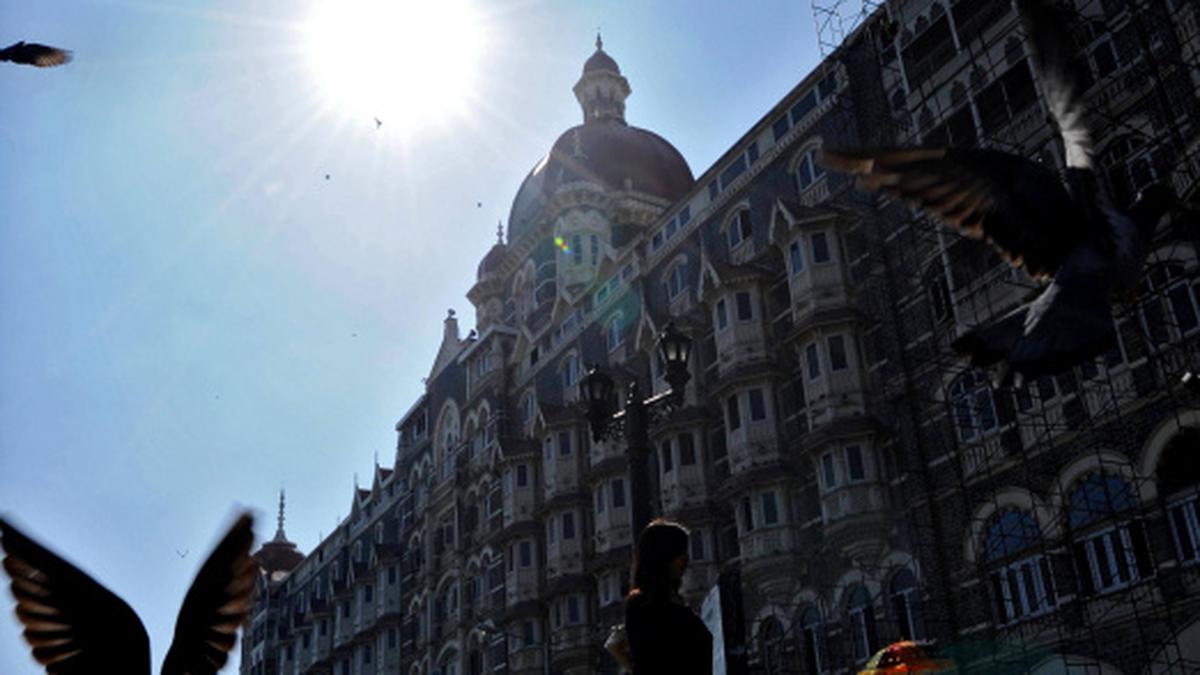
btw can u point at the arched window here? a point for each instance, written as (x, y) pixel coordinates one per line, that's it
(808, 172)
(615, 332)
(570, 376)
(906, 603)
(812, 631)
(974, 409)
(675, 281)
(1111, 553)
(1022, 581)
(860, 614)
(739, 228)
(771, 645)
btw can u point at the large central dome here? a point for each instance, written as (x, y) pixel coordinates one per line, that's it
(604, 150)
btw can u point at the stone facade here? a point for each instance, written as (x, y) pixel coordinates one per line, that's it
(864, 484)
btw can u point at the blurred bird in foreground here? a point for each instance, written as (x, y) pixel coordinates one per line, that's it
(75, 625)
(33, 54)
(1069, 232)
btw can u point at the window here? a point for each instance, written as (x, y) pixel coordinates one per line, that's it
(666, 463)
(732, 417)
(391, 575)
(722, 315)
(618, 493)
(696, 540)
(855, 470)
(615, 335)
(366, 654)
(770, 510)
(573, 615)
(861, 615)
(526, 552)
(1118, 555)
(600, 501)
(1185, 528)
(568, 525)
(974, 410)
(1169, 310)
(758, 406)
(939, 292)
(808, 172)
(740, 229)
(522, 475)
(1022, 585)
(837, 353)
(829, 471)
(820, 247)
(745, 310)
(675, 282)
(368, 593)
(906, 604)
(550, 530)
(595, 242)
(570, 373)
(564, 443)
(687, 450)
(814, 361)
(747, 515)
(796, 257)
(548, 448)
(813, 636)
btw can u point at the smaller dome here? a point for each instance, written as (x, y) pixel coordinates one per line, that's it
(600, 60)
(494, 258)
(278, 556)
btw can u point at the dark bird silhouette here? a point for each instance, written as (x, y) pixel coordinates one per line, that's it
(1070, 233)
(75, 625)
(33, 54)
(378, 123)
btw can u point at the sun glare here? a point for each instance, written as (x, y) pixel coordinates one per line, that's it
(406, 63)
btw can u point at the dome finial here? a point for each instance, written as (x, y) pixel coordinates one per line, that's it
(599, 42)
(499, 232)
(279, 535)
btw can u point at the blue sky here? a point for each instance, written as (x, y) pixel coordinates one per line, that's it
(192, 316)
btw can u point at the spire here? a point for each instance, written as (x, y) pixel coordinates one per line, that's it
(279, 535)
(499, 232)
(602, 90)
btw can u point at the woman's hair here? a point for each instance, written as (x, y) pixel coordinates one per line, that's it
(661, 542)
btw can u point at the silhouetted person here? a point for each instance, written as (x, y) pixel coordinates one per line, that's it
(33, 54)
(665, 636)
(1069, 231)
(75, 625)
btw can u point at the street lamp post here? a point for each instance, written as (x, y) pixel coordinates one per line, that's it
(597, 389)
(488, 627)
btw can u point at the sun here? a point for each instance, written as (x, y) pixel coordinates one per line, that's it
(408, 63)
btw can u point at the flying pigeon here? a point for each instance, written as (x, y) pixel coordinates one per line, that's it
(75, 625)
(1070, 233)
(33, 54)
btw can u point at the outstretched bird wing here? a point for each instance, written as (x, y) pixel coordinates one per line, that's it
(1018, 205)
(216, 605)
(1053, 49)
(34, 54)
(73, 624)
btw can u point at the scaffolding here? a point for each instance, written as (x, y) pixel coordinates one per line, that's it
(1073, 550)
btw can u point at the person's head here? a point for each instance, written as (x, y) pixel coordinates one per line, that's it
(660, 558)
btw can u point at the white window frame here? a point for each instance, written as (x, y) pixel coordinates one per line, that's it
(1019, 602)
(1187, 509)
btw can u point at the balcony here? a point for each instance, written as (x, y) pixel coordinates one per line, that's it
(856, 522)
